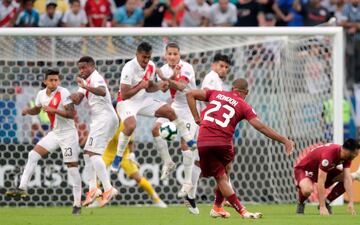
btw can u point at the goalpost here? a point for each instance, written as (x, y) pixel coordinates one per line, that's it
(292, 73)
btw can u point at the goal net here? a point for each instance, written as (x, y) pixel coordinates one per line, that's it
(292, 75)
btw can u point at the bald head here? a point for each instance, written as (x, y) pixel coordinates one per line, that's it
(240, 84)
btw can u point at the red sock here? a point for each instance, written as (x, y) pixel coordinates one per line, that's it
(219, 198)
(302, 198)
(234, 201)
(338, 190)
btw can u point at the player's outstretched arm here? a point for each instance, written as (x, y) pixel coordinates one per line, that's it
(348, 189)
(31, 111)
(69, 111)
(191, 98)
(267, 131)
(321, 192)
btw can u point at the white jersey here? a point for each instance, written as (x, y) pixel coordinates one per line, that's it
(186, 73)
(99, 105)
(132, 74)
(213, 81)
(57, 99)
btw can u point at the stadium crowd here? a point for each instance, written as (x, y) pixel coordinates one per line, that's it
(190, 13)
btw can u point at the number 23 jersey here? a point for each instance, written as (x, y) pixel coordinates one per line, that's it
(220, 117)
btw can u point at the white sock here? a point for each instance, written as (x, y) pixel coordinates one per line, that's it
(122, 143)
(183, 131)
(163, 149)
(75, 182)
(100, 169)
(89, 171)
(196, 171)
(33, 158)
(188, 165)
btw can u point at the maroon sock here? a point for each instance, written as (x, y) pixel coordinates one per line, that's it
(338, 190)
(219, 198)
(302, 198)
(234, 201)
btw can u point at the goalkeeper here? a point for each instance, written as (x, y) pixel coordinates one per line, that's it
(130, 167)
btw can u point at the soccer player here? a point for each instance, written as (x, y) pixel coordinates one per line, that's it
(130, 166)
(55, 100)
(217, 126)
(104, 123)
(137, 79)
(181, 78)
(320, 166)
(214, 80)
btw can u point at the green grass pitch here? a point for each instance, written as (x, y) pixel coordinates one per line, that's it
(174, 215)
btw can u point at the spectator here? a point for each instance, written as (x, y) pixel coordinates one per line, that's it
(248, 13)
(40, 6)
(267, 15)
(8, 12)
(338, 11)
(29, 17)
(98, 12)
(196, 13)
(51, 18)
(173, 18)
(223, 14)
(351, 13)
(313, 12)
(285, 14)
(154, 11)
(75, 17)
(129, 15)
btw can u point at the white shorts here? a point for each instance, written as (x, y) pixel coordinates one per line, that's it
(132, 107)
(102, 129)
(186, 116)
(67, 141)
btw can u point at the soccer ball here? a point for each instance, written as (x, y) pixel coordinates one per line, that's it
(168, 131)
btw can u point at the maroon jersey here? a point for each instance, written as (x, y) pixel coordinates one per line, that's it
(220, 117)
(325, 157)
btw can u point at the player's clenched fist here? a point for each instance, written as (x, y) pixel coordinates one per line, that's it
(164, 86)
(289, 146)
(81, 82)
(24, 112)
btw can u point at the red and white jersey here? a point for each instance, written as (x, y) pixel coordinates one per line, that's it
(132, 74)
(98, 11)
(7, 13)
(57, 100)
(220, 117)
(213, 81)
(186, 73)
(99, 105)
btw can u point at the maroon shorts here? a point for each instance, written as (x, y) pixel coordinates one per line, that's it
(300, 174)
(214, 159)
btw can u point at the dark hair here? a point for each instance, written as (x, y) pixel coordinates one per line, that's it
(87, 59)
(73, 1)
(172, 45)
(220, 57)
(48, 73)
(351, 144)
(144, 47)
